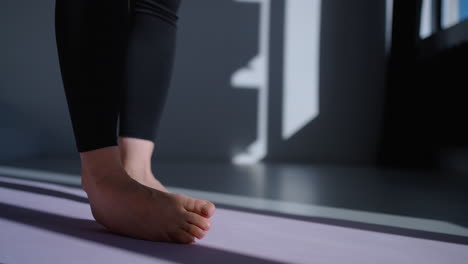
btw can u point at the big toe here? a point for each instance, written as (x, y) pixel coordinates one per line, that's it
(202, 207)
(205, 208)
(208, 209)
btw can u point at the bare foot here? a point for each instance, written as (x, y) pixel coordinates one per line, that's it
(127, 207)
(136, 159)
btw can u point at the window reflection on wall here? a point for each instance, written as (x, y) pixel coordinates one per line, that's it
(454, 12)
(450, 12)
(463, 9)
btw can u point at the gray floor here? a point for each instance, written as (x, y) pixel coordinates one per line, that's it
(334, 215)
(428, 195)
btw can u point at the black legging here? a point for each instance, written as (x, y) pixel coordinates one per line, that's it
(116, 60)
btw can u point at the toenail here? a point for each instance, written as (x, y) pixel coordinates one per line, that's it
(205, 209)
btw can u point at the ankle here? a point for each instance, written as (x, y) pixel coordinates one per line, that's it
(136, 153)
(137, 169)
(100, 165)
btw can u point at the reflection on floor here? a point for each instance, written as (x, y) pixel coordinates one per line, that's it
(51, 223)
(413, 194)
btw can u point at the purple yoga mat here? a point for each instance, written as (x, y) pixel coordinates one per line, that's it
(47, 223)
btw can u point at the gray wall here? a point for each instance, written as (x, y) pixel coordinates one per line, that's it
(352, 77)
(33, 114)
(205, 118)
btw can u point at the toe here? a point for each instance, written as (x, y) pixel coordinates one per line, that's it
(208, 209)
(200, 221)
(201, 207)
(183, 237)
(193, 230)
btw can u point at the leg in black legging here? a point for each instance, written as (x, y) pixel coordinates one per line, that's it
(96, 66)
(150, 61)
(92, 39)
(151, 53)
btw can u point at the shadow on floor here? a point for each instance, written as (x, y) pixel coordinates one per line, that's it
(43, 191)
(321, 220)
(361, 226)
(90, 230)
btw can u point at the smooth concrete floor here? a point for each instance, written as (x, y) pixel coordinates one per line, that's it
(267, 214)
(427, 195)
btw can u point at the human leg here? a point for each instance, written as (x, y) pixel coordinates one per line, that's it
(152, 45)
(91, 39)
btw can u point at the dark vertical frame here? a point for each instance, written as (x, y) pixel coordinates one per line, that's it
(406, 24)
(436, 15)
